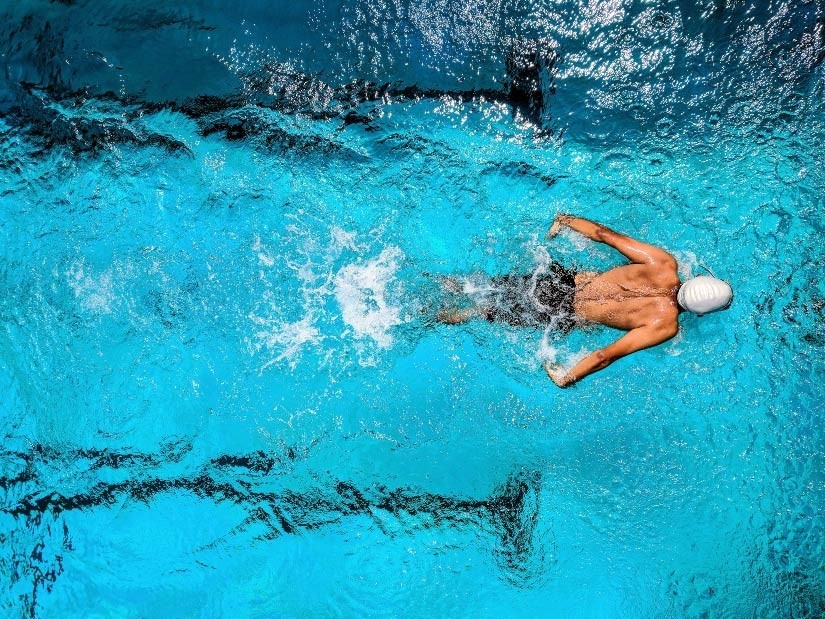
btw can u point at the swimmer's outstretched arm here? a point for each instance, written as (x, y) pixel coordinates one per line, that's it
(637, 339)
(635, 251)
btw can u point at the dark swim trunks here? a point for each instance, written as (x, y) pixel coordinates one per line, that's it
(538, 300)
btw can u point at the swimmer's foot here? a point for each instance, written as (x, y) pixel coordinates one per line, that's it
(454, 316)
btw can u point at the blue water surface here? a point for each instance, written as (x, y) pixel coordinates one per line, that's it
(223, 237)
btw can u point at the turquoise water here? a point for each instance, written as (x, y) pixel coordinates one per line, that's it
(222, 235)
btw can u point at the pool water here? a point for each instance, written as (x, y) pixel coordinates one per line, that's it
(223, 236)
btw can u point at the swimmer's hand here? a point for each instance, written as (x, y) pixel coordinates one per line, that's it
(557, 374)
(558, 222)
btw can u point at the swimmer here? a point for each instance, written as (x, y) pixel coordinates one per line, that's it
(643, 298)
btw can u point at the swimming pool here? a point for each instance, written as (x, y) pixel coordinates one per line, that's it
(222, 390)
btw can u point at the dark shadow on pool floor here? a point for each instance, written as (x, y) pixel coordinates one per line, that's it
(509, 515)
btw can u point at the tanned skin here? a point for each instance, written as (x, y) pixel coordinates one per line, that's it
(639, 298)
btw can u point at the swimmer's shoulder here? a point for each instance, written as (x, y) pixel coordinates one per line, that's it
(666, 320)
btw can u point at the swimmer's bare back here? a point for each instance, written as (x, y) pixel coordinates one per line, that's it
(639, 298)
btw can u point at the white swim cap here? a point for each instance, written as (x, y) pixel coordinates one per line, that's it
(704, 294)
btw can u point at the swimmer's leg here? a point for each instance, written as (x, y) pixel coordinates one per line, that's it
(457, 317)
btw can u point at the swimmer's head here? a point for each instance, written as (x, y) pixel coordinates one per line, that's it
(704, 294)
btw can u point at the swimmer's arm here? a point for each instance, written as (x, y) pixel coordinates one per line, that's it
(637, 339)
(635, 251)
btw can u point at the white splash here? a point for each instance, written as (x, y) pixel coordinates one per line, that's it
(577, 240)
(547, 352)
(541, 255)
(282, 340)
(361, 292)
(476, 285)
